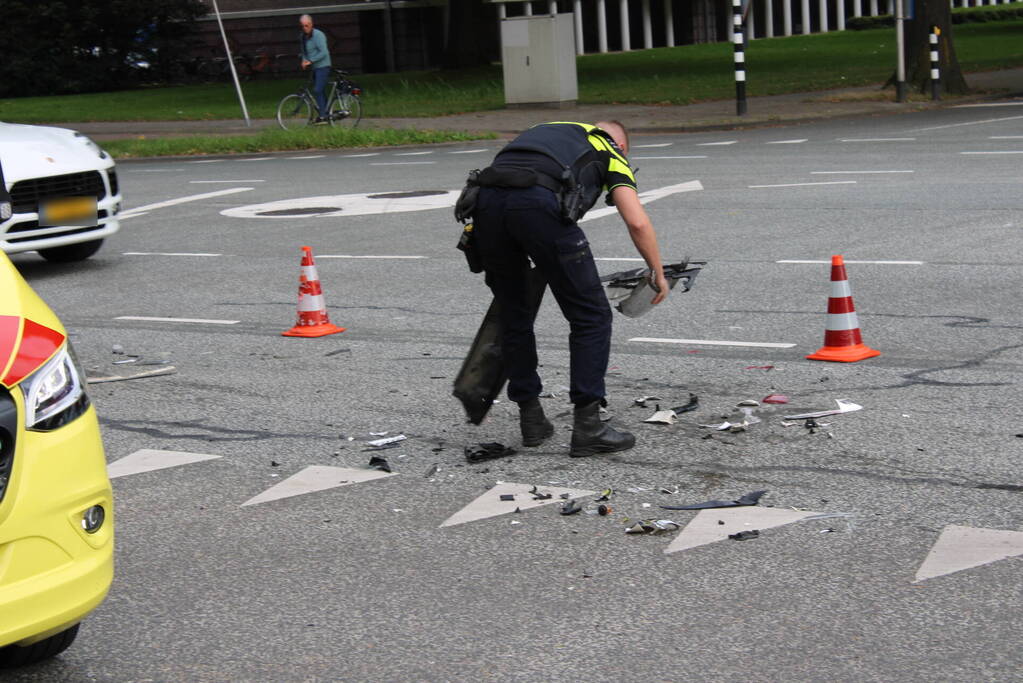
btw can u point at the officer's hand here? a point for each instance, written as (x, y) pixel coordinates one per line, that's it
(660, 283)
(306, 63)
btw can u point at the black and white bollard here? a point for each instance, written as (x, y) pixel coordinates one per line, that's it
(740, 58)
(935, 73)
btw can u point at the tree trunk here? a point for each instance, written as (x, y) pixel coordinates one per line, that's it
(928, 14)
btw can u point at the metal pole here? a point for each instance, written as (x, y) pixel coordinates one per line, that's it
(900, 46)
(935, 74)
(740, 58)
(230, 63)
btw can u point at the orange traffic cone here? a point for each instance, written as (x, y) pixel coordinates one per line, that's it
(842, 340)
(312, 310)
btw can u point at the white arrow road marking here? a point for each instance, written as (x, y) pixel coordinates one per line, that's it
(147, 460)
(705, 529)
(183, 200)
(347, 205)
(647, 197)
(317, 478)
(491, 505)
(963, 547)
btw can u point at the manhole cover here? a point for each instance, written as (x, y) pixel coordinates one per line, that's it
(403, 195)
(303, 211)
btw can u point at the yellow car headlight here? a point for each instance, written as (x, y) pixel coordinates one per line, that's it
(55, 393)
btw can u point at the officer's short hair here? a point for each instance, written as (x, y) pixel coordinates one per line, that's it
(619, 124)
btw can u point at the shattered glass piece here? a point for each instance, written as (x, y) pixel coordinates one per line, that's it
(751, 498)
(389, 440)
(844, 406)
(662, 417)
(641, 401)
(744, 535)
(378, 463)
(487, 451)
(652, 527)
(571, 507)
(378, 433)
(692, 404)
(775, 398)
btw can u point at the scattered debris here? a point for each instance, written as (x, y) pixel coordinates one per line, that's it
(571, 507)
(129, 359)
(117, 349)
(760, 367)
(662, 417)
(386, 442)
(487, 451)
(378, 463)
(751, 498)
(665, 489)
(431, 471)
(652, 527)
(719, 427)
(166, 370)
(775, 398)
(692, 404)
(641, 401)
(604, 495)
(744, 535)
(829, 530)
(507, 496)
(749, 403)
(844, 406)
(604, 510)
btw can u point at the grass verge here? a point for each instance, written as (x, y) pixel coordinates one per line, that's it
(279, 141)
(679, 75)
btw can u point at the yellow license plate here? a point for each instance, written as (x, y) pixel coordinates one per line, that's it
(68, 211)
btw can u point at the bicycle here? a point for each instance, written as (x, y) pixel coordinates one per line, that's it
(344, 106)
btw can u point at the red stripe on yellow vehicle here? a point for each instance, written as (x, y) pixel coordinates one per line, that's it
(38, 344)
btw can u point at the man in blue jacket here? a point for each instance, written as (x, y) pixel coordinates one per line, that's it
(316, 56)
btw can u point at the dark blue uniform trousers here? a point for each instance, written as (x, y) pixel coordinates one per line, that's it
(511, 224)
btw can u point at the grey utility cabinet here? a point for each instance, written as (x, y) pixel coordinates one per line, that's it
(538, 53)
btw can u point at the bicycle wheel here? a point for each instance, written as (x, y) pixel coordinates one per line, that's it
(294, 111)
(346, 110)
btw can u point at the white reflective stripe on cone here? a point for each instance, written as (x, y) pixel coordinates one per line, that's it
(842, 321)
(840, 289)
(312, 302)
(310, 272)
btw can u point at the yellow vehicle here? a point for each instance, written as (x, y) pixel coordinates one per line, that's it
(56, 506)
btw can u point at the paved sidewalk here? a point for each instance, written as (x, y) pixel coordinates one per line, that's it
(761, 111)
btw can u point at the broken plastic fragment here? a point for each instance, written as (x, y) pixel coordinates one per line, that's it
(117, 349)
(751, 498)
(641, 401)
(378, 463)
(431, 471)
(603, 510)
(775, 398)
(652, 526)
(487, 451)
(571, 507)
(662, 417)
(719, 427)
(692, 404)
(604, 495)
(744, 535)
(507, 496)
(748, 402)
(844, 406)
(385, 442)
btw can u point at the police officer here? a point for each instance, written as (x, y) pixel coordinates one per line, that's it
(529, 202)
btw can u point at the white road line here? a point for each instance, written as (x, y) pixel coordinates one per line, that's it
(648, 196)
(125, 216)
(257, 159)
(854, 172)
(968, 123)
(311, 156)
(385, 256)
(717, 144)
(879, 139)
(885, 263)
(989, 104)
(1005, 137)
(830, 182)
(182, 200)
(359, 156)
(159, 170)
(210, 182)
(1012, 151)
(685, 157)
(710, 342)
(164, 253)
(468, 151)
(177, 320)
(206, 161)
(412, 154)
(613, 258)
(654, 144)
(786, 142)
(401, 163)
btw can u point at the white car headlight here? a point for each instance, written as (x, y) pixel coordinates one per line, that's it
(55, 393)
(91, 145)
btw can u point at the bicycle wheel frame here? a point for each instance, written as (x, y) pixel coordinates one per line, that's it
(294, 111)
(345, 110)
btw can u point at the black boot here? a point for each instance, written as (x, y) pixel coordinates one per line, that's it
(534, 424)
(591, 436)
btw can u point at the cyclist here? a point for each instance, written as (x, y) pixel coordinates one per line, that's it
(316, 56)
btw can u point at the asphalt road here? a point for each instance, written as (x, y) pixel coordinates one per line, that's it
(362, 581)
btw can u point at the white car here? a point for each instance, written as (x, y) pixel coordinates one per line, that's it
(64, 194)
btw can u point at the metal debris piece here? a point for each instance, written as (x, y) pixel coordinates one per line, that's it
(487, 451)
(652, 527)
(692, 404)
(641, 401)
(129, 359)
(431, 471)
(167, 370)
(751, 498)
(386, 442)
(571, 507)
(507, 496)
(775, 398)
(378, 463)
(749, 402)
(744, 535)
(844, 406)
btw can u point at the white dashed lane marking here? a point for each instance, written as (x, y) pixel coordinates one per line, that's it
(359, 156)
(878, 139)
(206, 182)
(401, 163)
(165, 253)
(257, 159)
(469, 151)
(679, 157)
(181, 200)
(366, 256)
(653, 144)
(311, 156)
(1011, 151)
(717, 144)
(882, 263)
(831, 182)
(855, 172)
(206, 161)
(711, 342)
(198, 321)
(786, 142)
(148, 460)
(411, 154)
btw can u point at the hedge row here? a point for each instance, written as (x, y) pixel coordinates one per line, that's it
(964, 15)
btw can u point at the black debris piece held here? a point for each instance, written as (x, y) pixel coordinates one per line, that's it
(751, 498)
